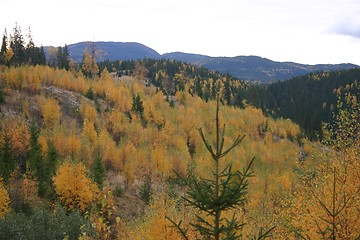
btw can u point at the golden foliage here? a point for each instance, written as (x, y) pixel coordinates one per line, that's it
(156, 226)
(104, 220)
(88, 111)
(8, 55)
(73, 187)
(169, 140)
(116, 124)
(108, 150)
(89, 66)
(50, 111)
(4, 200)
(19, 135)
(89, 132)
(328, 200)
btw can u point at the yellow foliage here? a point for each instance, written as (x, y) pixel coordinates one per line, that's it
(19, 135)
(103, 220)
(108, 150)
(89, 66)
(125, 152)
(170, 139)
(32, 77)
(334, 184)
(160, 162)
(116, 124)
(50, 111)
(73, 187)
(155, 225)
(89, 132)
(88, 111)
(44, 145)
(8, 55)
(4, 200)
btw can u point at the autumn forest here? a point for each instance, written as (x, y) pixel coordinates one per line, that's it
(160, 149)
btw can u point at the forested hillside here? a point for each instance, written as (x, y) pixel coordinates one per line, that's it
(161, 150)
(249, 68)
(105, 149)
(308, 100)
(254, 68)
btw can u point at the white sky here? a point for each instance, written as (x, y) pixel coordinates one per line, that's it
(303, 31)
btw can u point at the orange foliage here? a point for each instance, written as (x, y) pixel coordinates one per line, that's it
(29, 191)
(19, 135)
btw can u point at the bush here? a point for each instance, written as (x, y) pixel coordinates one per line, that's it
(118, 191)
(145, 191)
(2, 99)
(44, 224)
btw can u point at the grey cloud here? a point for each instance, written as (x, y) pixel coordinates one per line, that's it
(347, 29)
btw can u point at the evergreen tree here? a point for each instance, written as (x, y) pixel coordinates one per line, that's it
(30, 50)
(17, 45)
(98, 170)
(224, 191)
(35, 164)
(50, 168)
(137, 106)
(3, 47)
(7, 162)
(145, 191)
(59, 57)
(65, 58)
(2, 99)
(51, 158)
(42, 57)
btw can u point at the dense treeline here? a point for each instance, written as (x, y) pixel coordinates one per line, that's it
(310, 100)
(16, 51)
(172, 76)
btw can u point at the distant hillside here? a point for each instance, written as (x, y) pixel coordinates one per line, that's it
(255, 68)
(251, 68)
(308, 100)
(115, 50)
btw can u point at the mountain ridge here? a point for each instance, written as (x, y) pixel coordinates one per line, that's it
(256, 68)
(114, 50)
(252, 68)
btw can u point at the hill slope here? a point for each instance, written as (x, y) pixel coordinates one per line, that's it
(251, 68)
(115, 50)
(311, 99)
(254, 67)
(63, 137)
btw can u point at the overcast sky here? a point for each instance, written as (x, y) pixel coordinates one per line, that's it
(304, 31)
